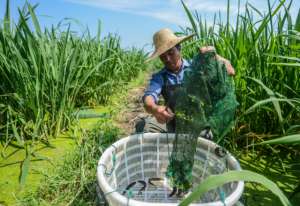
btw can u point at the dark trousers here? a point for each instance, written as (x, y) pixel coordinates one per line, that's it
(150, 124)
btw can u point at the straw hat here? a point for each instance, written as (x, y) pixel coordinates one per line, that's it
(164, 40)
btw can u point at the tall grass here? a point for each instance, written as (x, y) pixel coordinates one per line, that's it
(46, 74)
(265, 54)
(123, 65)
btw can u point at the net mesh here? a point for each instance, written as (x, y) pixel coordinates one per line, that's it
(206, 102)
(205, 106)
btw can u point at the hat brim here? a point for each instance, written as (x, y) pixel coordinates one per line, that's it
(168, 46)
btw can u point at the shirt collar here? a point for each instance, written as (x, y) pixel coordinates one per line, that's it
(184, 65)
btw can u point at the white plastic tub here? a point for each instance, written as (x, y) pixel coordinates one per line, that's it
(143, 156)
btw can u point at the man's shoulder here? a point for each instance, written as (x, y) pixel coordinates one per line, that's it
(160, 73)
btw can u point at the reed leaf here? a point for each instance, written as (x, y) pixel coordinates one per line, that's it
(267, 19)
(286, 64)
(7, 21)
(265, 101)
(35, 20)
(297, 23)
(290, 139)
(25, 168)
(191, 18)
(215, 181)
(271, 94)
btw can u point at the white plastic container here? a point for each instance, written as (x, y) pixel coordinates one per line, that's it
(144, 156)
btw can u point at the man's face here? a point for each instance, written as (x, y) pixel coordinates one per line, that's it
(171, 59)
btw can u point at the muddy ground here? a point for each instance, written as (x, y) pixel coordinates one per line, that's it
(133, 110)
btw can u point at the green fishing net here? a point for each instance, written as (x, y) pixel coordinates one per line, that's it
(206, 102)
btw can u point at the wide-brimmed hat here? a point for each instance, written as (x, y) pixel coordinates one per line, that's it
(164, 40)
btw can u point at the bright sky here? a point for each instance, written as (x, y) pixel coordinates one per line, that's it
(134, 20)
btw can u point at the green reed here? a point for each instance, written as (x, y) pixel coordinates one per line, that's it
(45, 74)
(265, 53)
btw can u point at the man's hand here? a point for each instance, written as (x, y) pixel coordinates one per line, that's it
(229, 67)
(163, 114)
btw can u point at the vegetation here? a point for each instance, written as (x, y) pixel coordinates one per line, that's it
(265, 54)
(46, 75)
(73, 182)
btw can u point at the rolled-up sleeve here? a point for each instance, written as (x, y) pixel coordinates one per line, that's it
(154, 88)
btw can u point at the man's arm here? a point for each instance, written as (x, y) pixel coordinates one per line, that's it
(161, 113)
(150, 99)
(150, 104)
(229, 67)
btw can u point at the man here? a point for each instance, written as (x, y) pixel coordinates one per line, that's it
(167, 80)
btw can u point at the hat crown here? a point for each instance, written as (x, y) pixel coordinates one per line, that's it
(164, 40)
(163, 37)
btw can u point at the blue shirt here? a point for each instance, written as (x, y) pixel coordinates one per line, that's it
(157, 81)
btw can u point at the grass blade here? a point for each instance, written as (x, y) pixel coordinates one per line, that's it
(290, 139)
(228, 21)
(6, 26)
(35, 20)
(263, 25)
(265, 101)
(25, 168)
(191, 19)
(286, 64)
(215, 181)
(272, 95)
(297, 23)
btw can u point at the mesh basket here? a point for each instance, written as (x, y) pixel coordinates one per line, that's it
(136, 159)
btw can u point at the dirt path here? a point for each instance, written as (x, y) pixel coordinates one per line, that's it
(133, 109)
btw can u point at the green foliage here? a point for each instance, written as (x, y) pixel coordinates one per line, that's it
(73, 181)
(265, 55)
(44, 75)
(297, 23)
(290, 139)
(25, 167)
(266, 51)
(215, 181)
(191, 19)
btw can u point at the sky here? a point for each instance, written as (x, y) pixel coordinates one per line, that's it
(135, 21)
